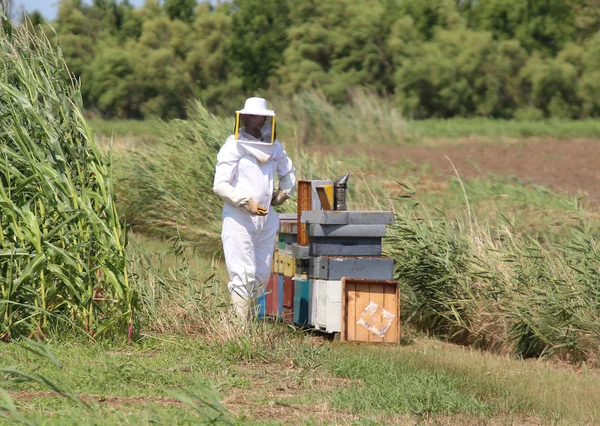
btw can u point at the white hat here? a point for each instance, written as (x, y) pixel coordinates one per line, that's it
(256, 106)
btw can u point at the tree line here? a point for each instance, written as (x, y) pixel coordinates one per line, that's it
(525, 59)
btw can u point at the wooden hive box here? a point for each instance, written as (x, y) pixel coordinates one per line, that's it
(301, 301)
(272, 295)
(288, 299)
(279, 295)
(261, 304)
(370, 311)
(328, 305)
(313, 305)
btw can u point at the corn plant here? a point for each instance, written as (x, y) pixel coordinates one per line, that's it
(61, 242)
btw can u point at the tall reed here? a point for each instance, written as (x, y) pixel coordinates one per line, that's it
(61, 242)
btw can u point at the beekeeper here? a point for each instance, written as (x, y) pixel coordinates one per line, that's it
(245, 180)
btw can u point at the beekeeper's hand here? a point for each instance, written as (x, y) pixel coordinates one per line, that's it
(279, 197)
(255, 208)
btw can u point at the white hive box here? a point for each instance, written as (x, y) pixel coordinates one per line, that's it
(328, 305)
(313, 307)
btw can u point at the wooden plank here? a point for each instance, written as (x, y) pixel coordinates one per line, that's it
(351, 311)
(304, 204)
(376, 296)
(391, 305)
(361, 302)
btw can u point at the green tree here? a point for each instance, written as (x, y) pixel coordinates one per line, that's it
(538, 25)
(549, 84)
(337, 45)
(588, 85)
(75, 36)
(259, 39)
(180, 9)
(586, 17)
(458, 72)
(209, 61)
(113, 84)
(430, 15)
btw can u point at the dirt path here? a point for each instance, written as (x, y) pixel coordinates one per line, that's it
(572, 166)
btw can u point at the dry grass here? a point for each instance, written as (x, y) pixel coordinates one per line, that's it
(551, 389)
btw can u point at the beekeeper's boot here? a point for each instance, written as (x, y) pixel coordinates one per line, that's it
(241, 305)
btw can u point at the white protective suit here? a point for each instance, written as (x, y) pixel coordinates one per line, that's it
(247, 170)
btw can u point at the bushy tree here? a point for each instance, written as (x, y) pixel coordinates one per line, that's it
(588, 85)
(337, 45)
(113, 82)
(436, 58)
(550, 83)
(180, 9)
(544, 26)
(209, 61)
(258, 39)
(458, 72)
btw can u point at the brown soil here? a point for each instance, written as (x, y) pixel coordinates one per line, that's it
(572, 166)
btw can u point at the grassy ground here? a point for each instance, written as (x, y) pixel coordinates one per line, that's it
(495, 129)
(192, 364)
(147, 128)
(176, 373)
(414, 131)
(319, 383)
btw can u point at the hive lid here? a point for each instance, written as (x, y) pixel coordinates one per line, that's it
(346, 217)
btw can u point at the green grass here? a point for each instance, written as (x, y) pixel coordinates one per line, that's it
(108, 128)
(401, 130)
(272, 374)
(385, 385)
(497, 129)
(145, 383)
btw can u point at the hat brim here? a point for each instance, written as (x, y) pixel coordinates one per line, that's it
(265, 112)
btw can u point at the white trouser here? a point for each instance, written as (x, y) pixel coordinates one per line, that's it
(248, 243)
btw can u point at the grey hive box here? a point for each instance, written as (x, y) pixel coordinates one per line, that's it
(347, 217)
(336, 268)
(345, 246)
(319, 230)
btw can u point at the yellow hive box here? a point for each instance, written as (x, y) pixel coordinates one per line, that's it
(287, 265)
(275, 265)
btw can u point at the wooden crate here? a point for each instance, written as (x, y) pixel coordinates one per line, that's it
(357, 294)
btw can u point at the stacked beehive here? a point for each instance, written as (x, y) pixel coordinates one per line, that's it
(342, 244)
(279, 294)
(329, 272)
